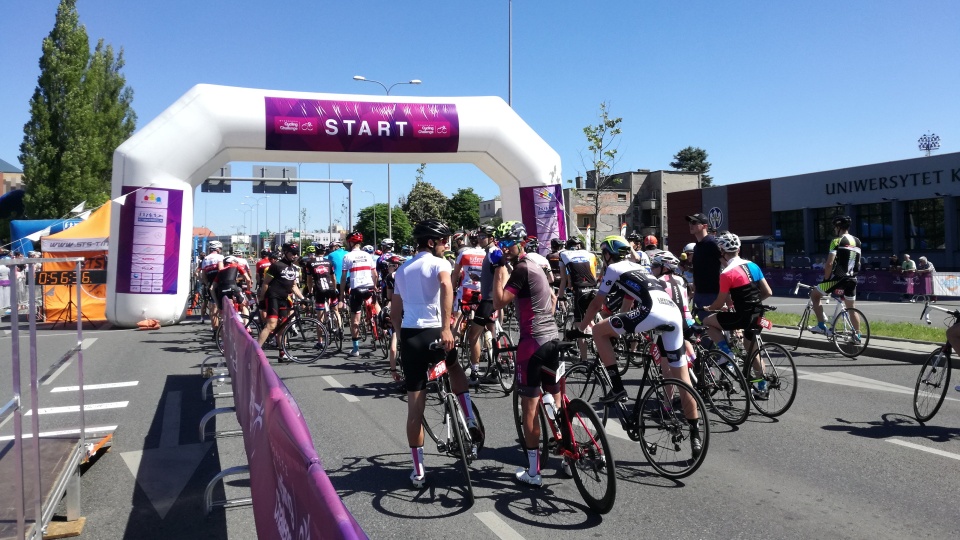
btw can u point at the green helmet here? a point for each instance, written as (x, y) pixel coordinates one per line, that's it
(511, 230)
(311, 249)
(615, 246)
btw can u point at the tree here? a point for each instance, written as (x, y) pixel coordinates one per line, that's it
(601, 157)
(693, 160)
(402, 230)
(463, 210)
(424, 200)
(80, 112)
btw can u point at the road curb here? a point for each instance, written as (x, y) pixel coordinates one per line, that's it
(899, 351)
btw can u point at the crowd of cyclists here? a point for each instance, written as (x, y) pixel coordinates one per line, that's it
(629, 285)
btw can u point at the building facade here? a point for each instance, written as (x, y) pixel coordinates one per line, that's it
(491, 212)
(11, 177)
(639, 199)
(907, 206)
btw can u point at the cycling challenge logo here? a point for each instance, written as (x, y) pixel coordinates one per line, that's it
(715, 215)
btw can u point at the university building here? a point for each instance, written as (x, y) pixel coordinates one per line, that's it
(908, 206)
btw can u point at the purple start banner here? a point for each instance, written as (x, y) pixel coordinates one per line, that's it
(319, 125)
(148, 254)
(541, 209)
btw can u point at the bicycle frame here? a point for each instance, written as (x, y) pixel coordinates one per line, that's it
(839, 308)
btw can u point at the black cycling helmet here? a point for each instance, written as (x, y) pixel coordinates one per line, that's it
(486, 230)
(273, 256)
(291, 247)
(533, 244)
(556, 243)
(264, 253)
(842, 221)
(431, 228)
(574, 243)
(633, 237)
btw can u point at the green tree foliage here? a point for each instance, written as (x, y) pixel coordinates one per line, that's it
(402, 229)
(463, 210)
(694, 160)
(601, 157)
(424, 200)
(79, 113)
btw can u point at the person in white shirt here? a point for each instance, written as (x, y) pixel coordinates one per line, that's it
(359, 270)
(423, 292)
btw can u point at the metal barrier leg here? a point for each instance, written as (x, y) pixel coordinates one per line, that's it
(207, 383)
(207, 417)
(72, 496)
(209, 503)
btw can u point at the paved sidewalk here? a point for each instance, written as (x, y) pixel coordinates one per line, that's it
(901, 350)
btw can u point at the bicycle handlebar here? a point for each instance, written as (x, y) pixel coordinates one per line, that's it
(924, 316)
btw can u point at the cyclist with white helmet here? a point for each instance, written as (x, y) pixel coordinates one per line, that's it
(686, 265)
(741, 282)
(665, 266)
(359, 269)
(209, 267)
(580, 274)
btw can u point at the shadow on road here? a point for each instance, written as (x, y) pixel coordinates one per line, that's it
(896, 425)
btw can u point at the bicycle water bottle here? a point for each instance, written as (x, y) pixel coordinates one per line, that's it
(550, 405)
(488, 339)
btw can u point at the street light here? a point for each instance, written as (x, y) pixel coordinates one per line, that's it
(374, 197)
(265, 217)
(389, 198)
(244, 212)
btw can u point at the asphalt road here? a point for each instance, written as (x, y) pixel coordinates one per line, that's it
(847, 461)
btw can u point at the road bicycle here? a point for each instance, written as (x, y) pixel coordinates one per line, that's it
(575, 433)
(718, 380)
(840, 327)
(498, 356)
(656, 420)
(330, 320)
(444, 420)
(777, 368)
(250, 320)
(301, 339)
(934, 379)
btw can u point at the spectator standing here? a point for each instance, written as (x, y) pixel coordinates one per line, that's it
(925, 269)
(706, 265)
(909, 270)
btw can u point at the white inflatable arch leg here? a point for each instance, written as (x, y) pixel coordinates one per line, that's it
(161, 164)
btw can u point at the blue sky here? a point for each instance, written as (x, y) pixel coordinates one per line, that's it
(769, 89)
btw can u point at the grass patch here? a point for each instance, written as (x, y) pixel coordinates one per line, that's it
(901, 330)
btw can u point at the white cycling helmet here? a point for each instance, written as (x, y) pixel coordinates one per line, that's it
(728, 242)
(229, 259)
(666, 260)
(368, 248)
(689, 247)
(387, 242)
(216, 244)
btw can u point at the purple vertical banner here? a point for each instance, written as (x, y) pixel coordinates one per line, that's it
(541, 209)
(149, 244)
(320, 125)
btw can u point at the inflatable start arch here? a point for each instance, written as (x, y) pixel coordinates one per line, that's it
(159, 167)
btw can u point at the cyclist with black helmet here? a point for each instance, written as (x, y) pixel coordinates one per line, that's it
(458, 243)
(322, 284)
(839, 272)
(532, 248)
(360, 270)
(538, 355)
(262, 265)
(556, 246)
(636, 250)
(424, 296)
(279, 282)
(226, 285)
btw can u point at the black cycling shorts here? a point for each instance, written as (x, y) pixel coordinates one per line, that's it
(846, 285)
(581, 301)
(416, 355)
(485, 313)
(537, 367)
(277, 308)
(323, 295)
(229, 291)
(357, 297)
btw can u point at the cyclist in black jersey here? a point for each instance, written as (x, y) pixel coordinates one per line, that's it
(839, 273)
(225, 284)
(279, 282)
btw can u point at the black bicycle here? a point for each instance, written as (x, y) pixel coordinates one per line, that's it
(657, 419)
(934, 379)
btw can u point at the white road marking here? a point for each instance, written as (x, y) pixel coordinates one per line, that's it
(97, 429)
(498, 526)
(103, 386)
(76, 408)
(336, 384)
(924, 448)
(170, 429)
(614, 429)
(848, 379)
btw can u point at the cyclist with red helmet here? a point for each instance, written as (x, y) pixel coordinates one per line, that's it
(279, 282)
(359, 269)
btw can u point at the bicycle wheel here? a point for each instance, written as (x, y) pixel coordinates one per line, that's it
(621, 350)
(932, 385)
(506, 363)
(583, 381)
(304, 340)
(594, 471)
(665, 433)
(252, 326)
(383, 339)
(459, 430)
(638, 357)
(545, 434)
(802, 325)
(780, 372)
(435, 416)
(336, 332)
(847, 340)
(723, 387)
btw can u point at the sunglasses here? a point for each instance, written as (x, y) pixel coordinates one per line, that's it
(505, 244)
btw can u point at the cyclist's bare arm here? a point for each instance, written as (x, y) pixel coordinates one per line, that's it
(828, 266)
(765, 290)
(501, 296)
(446, 307)
(721, 301)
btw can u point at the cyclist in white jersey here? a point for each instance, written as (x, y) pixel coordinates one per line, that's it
(209, 267)
(533, 254)
(466, 277)
(359, 269)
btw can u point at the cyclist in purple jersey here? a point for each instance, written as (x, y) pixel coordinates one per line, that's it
(537, 350)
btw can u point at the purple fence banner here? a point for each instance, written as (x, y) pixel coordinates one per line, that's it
(873, 281)
(321, 125)
(541, 209)
(148, 254)
(292, 495)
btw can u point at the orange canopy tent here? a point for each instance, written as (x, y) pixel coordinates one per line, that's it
(87, 239)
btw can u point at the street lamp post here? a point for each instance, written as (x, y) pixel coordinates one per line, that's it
(389, 197)
(374, 197)
(265, 217)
